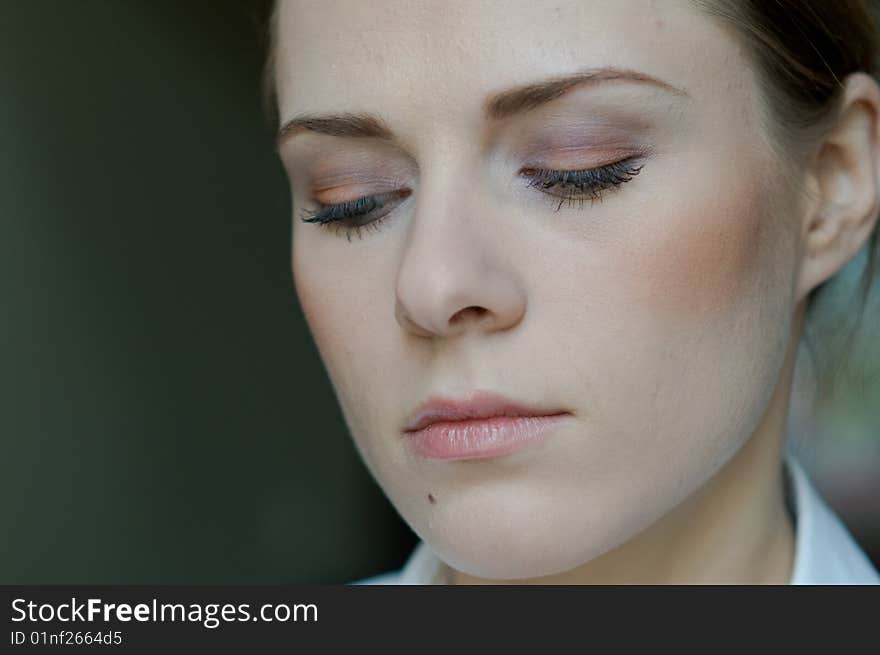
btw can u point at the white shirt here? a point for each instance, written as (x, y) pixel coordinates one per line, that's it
(825, 551)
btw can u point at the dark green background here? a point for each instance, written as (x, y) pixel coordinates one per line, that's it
(164, 415)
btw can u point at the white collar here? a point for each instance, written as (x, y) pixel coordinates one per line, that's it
(825, 551)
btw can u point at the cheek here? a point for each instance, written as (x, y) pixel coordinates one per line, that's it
(338, 288)
(326, 304)
(316, 299)
(682, 339)
(340, 305)
(703, 257)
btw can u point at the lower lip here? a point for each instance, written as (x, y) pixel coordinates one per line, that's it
(481, 438)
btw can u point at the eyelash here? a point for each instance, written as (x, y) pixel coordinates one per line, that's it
(331, 216)
(578, 185)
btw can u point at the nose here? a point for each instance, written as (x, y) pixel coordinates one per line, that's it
(454, 278)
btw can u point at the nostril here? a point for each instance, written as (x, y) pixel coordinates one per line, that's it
(474, 310)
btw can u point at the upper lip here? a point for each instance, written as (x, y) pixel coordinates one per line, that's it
(480, 404)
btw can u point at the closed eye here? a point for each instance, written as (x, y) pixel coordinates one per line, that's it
(579, 185)
(369, 212)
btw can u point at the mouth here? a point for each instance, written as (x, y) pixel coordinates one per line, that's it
(480, 426)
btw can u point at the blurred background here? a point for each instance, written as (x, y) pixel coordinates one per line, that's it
(164, 415)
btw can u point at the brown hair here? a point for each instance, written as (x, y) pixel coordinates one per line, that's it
(802, 50)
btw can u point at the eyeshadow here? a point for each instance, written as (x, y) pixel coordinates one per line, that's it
(616, 122)
(580, 145)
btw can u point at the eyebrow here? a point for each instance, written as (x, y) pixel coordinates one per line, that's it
(496, 107)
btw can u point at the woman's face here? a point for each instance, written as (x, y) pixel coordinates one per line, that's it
(656, 313)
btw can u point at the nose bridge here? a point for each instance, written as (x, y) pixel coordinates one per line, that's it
(450, 278)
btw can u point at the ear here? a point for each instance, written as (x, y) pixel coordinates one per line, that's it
(845, 173)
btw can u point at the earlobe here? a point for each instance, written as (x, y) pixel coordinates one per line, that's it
(846, 176)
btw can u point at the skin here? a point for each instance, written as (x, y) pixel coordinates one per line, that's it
(664, 317)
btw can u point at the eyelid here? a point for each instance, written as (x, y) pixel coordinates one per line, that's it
(341, 194)
(344, 190)
(580, 158)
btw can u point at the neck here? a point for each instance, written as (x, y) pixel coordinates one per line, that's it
(735, 529)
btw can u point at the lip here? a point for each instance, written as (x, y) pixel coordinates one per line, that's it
(484, 424)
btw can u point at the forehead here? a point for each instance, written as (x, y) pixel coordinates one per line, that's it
(428, 60)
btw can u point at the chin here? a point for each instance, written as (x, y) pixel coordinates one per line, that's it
(534, 553)
(520, 538)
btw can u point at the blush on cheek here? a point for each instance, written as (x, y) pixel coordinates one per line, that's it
(704, 256)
